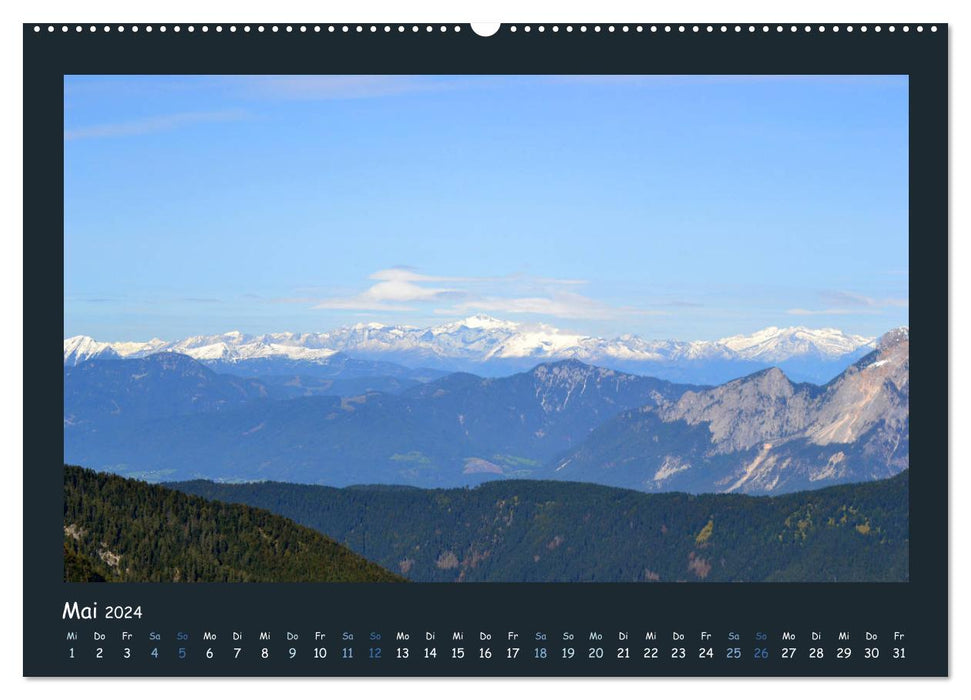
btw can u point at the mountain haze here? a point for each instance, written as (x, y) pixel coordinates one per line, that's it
(455, 430)
(491, 347)
(159, 386)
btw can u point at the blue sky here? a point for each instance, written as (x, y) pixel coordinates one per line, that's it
(687, 207)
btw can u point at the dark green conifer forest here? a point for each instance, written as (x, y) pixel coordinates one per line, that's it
(118, 529)
(519, 530)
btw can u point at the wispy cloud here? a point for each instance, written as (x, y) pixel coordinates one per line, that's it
(245, 89)
(831, 312)
(852, 299)
(842, 303)
(360, 304)
(151, 125)
(565, 305)
(404, 288)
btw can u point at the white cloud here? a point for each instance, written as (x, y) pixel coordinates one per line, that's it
(404, 273)
(396, 286)
(406, 289)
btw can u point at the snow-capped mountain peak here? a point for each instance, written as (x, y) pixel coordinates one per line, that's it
(492, 346)
(481, 321)
(773, 344)
(81, 348)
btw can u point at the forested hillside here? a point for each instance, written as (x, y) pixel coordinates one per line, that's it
(517, 530)
(118, 529)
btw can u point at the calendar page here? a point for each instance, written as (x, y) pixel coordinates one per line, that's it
(512, 350)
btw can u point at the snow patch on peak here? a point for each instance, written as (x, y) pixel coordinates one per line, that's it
(481, 321)
(213, 351)
(81, 348)
(774, 344)
(480, 339)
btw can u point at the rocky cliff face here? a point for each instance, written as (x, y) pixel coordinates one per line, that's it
(872, 392)
(765, 434)
(746, 412)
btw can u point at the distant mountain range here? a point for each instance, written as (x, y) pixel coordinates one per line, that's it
(492, 347)
(456, 430)
(166, 416)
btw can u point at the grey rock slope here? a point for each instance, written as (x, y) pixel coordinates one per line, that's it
(761, 433)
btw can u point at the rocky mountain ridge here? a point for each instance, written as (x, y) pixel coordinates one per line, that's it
(762, 433)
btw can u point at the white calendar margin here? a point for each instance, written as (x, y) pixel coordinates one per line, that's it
(11, 303)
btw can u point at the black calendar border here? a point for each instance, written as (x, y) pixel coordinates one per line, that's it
(919, 606)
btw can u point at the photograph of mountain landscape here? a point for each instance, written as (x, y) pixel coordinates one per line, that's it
(486, 329)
